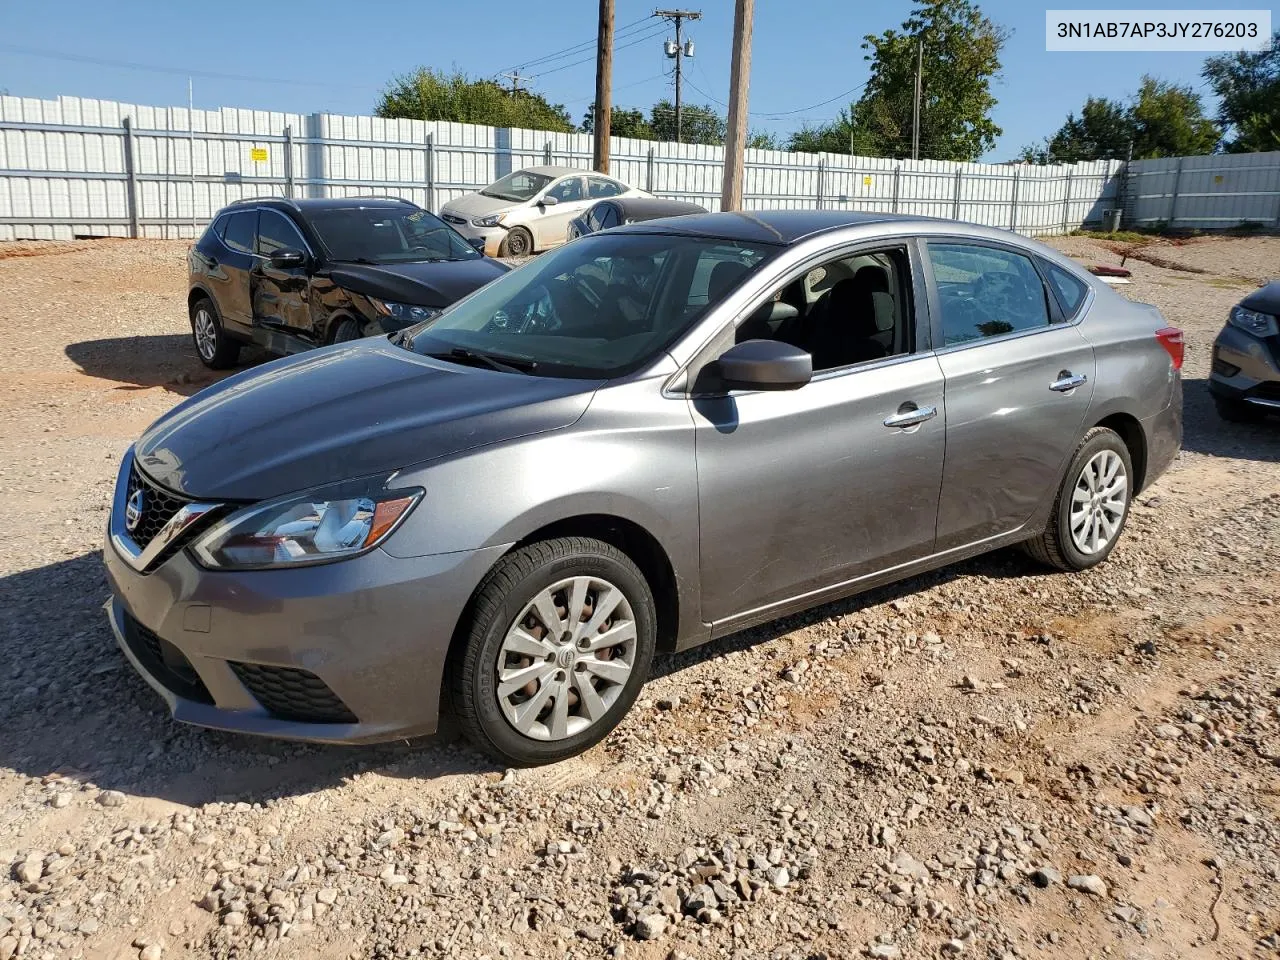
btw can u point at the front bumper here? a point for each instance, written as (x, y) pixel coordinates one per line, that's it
(373, 630)
(492, 236)
(1246, 368)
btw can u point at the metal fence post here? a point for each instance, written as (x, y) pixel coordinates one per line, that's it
(131, 178)
(822, 169)
(897, 186)
(648, 172)
(546, 153)
(288, 160)
(431, 172)
(955, 209)
(1013, 203)
(1066, 206)
(1173, 200)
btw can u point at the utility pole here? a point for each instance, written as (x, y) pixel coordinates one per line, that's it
(739, 85)
(915, 123)
(679, 16)
(516, 80)
(604, 88)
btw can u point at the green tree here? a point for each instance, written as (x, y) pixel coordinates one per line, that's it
(1247, 85)
(830, 137)
(1169, 121)
(1103, 131)
(623, 122)
(961, 58)
(427, 94)
(699, 124)
(762, 140)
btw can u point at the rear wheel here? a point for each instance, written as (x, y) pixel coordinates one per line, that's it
(1092, 506)
(558, 644)
(1237, 411)
(517, 243)
(216, 350)
(347, 330)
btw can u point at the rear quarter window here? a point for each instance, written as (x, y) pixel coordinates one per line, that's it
(1069, 290)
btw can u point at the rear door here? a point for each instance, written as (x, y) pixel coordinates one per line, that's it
(1019, 379)
(280, 294)
(229, 276)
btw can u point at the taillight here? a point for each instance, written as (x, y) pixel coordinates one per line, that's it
(1171, 339)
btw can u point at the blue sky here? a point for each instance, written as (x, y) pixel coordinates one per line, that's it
(334, 56)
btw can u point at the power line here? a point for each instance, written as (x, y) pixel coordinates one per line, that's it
(783, 113)
(578, 48)
(592, 57)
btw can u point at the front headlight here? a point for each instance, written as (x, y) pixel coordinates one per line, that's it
(1251, 321)
(408, 312)
(327, 524)
(490, 221)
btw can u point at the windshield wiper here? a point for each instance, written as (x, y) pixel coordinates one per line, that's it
(493, 361)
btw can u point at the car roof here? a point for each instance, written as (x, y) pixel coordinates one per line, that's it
(652, 207)
(311, 204)
(769, 226)
(552, 171)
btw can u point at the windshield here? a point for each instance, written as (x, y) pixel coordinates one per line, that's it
(517, 187)
(388, 235)
(598, 307)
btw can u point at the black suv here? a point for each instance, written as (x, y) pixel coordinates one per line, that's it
(294, 274)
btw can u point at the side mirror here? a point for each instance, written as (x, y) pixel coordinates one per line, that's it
(765, 365)
(477, 242)
(548, 202)
(288, 258)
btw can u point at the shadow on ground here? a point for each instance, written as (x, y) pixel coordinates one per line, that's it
(1206, 432)
(140, 363)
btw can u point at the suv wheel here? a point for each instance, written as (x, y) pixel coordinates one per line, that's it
(347, 330)
(558, 644)
(1237, 411)
(217, 350)
(517, 243)
(1092, 505)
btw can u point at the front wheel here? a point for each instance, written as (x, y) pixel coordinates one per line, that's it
(517, 243)
(217, 350)
(1092, 506)
(558, 643)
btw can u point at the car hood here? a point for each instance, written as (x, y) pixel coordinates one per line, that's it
(424, 284)
(342, 412)
(1264, 299)
(476, 205)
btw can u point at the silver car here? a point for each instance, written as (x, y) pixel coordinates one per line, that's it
(649, 438)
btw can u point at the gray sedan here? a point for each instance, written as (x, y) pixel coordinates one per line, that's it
(649, 438)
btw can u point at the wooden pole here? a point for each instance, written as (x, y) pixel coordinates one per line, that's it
(604, 88)
(739, 84)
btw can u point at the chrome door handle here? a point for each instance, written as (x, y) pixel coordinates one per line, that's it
(1069, 382)
(909, 418)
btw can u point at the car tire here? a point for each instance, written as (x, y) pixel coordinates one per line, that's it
(1091, 507)
(215, 348)
(346, 330)
(517, 243)
(1237, 411)
(505, 635)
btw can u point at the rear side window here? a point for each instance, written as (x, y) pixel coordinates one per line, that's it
(212, 233)
(599, 187)
(1069, 290)
(986, 292)
(240, 230)
(276, 232)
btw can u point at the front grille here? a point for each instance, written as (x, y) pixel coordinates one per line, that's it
(164, 661)
(292, 694)
(450, 218)
(158, 507)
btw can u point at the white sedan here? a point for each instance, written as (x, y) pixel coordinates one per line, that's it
(527, 211)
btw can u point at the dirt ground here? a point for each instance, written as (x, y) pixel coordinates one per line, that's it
(988, 761)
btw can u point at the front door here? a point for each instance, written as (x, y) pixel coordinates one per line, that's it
(553, 219)
(1019, 382)
(806, 489)
(280, 294)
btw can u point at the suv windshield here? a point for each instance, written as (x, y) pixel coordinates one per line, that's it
(517, 187)
(388, 235)
(598, 307)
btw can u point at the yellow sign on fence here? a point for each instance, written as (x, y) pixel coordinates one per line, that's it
(258, 154)
(866, 181)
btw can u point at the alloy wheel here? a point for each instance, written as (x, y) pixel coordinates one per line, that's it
(206, 333)
(566, 658)
(1098, 502)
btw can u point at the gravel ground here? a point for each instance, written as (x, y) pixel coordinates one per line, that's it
(987, 761)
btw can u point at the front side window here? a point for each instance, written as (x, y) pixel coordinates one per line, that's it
(517, 187)
(567, 191)
(240, 231)
(599, 187)
(399, 234)
(986, 292)
(598, 307)
(276, 232)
